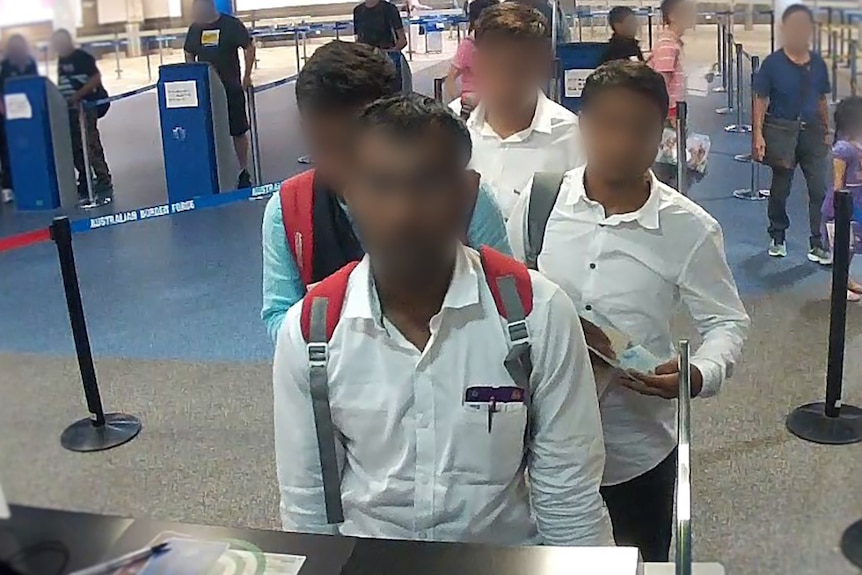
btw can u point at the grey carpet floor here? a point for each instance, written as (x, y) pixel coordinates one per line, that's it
(765, 502)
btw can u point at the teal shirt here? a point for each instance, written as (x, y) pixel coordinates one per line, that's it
(283, 286)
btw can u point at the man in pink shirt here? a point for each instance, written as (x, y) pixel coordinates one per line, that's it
(462, 63)
(666, 58)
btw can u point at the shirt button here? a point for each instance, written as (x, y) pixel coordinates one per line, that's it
(588, 307)
(592, 266)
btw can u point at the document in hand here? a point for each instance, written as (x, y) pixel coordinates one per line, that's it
(629, 357)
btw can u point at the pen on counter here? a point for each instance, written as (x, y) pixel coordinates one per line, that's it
(123, 561)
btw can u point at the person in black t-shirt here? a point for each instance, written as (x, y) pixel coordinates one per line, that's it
(17, 63)
(378, 23)
(623, 45)
(79, 79)
(216, 38)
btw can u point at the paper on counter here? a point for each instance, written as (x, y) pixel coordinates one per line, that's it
(17, 107)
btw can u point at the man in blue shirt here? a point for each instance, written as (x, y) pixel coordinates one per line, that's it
(334, 86)
(791, 127)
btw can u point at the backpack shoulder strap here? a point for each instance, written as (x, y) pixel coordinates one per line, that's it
(543, 196)
(297, 216)
(321, 310)
(512, 289)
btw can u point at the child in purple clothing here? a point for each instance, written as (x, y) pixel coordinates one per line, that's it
(847, 174)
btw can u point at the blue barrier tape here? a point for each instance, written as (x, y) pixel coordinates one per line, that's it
(276, 84)
(123, 96)
(170, 209)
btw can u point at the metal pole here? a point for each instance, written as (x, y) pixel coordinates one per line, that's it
(722, 57)
(771, 31)
(753, 192)
(854, 46)
(117, 54)
(843, 22)
(149, 66)
(729, 52)
(85, 150)
(255, 136)
(161, 49)
(834, 67)
(296, 47)
(681, 148)
(304, 45)
(739, 127)
(683, 487)
(649, 27)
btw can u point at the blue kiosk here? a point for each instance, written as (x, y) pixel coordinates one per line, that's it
(40, 145)
(575, 62)
(198, 150)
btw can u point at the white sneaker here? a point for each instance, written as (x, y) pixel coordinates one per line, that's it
(776, 249)
(820, 256)
(8, 197)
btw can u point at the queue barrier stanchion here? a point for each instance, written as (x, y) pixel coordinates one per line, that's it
(854, 48)
(739, 127)
(119, 69)
(753, 191)
(100, 431)
(834, 55)
(722, 57)
(683, 559)
(681, 148)
(832, 422)
(851, 544)
(771, 30)
(255, 136)
(730, 46)
(147, 41)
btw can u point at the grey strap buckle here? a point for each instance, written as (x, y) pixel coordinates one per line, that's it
(318, 354)
(518, 332)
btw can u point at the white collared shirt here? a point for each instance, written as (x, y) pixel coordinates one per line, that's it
(552, 143)
(630, 272)
(420, 464)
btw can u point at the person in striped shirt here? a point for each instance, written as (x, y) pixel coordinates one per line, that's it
(666, 58)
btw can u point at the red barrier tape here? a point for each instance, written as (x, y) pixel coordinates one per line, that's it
(25, 239)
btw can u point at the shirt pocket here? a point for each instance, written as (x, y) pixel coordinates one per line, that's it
(492, 455)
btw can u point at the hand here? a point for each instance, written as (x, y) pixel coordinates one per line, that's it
(76, 99)
(597, 339)
(758, 148)
(247, 83)
(665, 382)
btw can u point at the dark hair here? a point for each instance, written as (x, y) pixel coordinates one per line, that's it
(667, 8)
(634, 76)
(513, 21)
(475, 9)
(796, 9)
(411, 115)
(345, 75)
(848, 117)
(617, 15)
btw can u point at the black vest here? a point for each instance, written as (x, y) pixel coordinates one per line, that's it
(335, 243)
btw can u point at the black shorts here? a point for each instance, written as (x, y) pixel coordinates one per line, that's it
(237, 117)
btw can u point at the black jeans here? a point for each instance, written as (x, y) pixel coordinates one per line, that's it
(5, 165)
(642, 510)
(812, 155)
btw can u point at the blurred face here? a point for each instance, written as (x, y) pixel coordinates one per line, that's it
(62, 44)
(621, 131)
(628, 27)
(328, 134)
(509, 74)
(203, 12)
(411, 199)
(797, 30)
(17, 49)
(684, 16)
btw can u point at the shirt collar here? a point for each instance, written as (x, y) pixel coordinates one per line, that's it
(362, 302)
(542, 120)
(647, 216)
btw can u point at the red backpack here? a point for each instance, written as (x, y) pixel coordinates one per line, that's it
(297, 216)
(512, 290)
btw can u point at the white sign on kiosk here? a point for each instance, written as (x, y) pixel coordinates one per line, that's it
(182, 94)
(574, 81)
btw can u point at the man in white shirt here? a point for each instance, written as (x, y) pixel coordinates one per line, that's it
(516, 130)
(628, 249)
(416, 416)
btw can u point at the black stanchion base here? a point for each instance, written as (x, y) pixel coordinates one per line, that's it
(809, 422)
(83, 436)
(851, 544)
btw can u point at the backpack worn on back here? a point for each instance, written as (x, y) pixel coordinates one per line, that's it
(512, 290)
(543, 197)
(297, 217)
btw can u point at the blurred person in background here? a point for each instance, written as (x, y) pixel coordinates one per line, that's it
(791, 127)
(516, 129)
(462, 64)
(16, 63)
(623, 45)
(546, 8)
(217, 38)
(308, 232)
(79, 80)
(378, 23)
